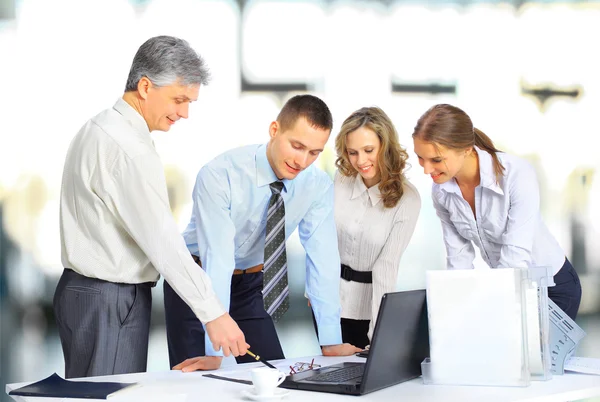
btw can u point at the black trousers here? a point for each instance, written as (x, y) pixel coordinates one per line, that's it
(354, 332)
(185, 333)
(567, 290)
(103, 326)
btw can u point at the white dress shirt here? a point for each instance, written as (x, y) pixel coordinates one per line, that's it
(371, 238)
(115, 220)
(509, 230)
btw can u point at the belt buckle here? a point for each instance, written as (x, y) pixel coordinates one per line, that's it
(346, 273)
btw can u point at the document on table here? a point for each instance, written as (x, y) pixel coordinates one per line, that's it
(242, 372)
(586, 365)
(57, 387)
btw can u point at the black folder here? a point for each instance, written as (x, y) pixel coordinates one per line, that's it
(57, 387)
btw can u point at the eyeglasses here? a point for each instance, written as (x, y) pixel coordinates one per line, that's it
(299, 367)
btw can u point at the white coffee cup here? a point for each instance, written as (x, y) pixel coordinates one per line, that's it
(266, 379)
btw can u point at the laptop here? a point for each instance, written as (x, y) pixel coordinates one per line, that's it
(400, 343)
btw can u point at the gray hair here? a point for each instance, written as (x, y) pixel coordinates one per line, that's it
(165, 60)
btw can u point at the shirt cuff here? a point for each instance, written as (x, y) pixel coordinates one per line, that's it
(208, 310)
(330, 335)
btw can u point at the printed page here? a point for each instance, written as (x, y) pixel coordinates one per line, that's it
(585, 365)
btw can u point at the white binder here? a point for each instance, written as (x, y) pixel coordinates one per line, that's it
(477, 327)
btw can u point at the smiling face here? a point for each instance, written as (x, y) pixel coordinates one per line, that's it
(441, 163)
(163, 106)
(291, 151)
(363, 147)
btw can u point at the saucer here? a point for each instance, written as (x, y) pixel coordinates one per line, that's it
(278, 394)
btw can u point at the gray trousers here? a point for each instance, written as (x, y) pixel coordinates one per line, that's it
(103, 326)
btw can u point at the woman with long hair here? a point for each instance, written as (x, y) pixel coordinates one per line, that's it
(376, 211)
(491, 199)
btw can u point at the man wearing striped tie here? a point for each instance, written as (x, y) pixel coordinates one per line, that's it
(247, 202)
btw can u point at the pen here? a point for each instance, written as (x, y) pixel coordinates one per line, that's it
(258, 359)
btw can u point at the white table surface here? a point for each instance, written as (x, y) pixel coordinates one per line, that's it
(175, 386)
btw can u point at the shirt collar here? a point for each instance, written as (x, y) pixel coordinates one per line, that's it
(451, 186)
(264, 172)
(487, 176)
(359, 188)
(135, 119)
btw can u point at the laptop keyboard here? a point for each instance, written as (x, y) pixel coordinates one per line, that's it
(341, 375)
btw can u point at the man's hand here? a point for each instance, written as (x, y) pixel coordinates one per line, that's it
(225, 334)
(345, 349)
(199, 363)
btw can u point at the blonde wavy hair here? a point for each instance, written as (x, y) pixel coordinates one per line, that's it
(391, 158)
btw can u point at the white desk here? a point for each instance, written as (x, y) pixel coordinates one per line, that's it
(175, 386)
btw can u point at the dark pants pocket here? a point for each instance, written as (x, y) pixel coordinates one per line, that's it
(126, 297)
(103, 326)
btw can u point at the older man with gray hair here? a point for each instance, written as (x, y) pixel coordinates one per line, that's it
(117, 231)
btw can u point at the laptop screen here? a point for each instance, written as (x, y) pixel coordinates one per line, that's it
(400, 340)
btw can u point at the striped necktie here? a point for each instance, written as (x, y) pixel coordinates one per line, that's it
(276, 293)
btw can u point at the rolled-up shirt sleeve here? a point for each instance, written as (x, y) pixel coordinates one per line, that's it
(136, 194)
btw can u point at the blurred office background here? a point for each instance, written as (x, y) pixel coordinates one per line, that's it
(525, 71)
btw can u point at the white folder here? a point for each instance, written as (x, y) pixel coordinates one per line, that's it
(477, 324)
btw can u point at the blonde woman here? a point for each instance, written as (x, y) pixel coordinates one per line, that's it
(376, 211)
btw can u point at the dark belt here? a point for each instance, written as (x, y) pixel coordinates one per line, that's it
(72, 271)
(252, 270)
(350, 274)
